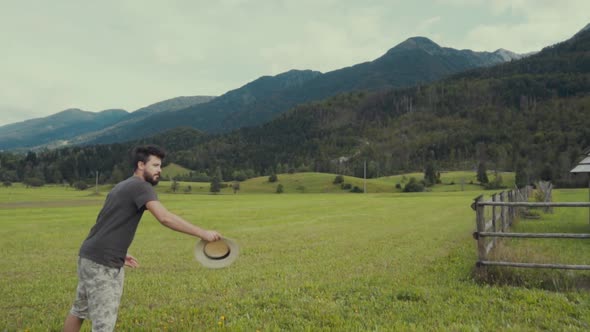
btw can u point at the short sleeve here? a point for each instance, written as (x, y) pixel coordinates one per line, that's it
(144, 193)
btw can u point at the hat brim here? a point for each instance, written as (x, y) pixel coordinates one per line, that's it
(212, 263)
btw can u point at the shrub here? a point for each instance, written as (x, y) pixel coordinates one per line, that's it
(34, 182)
(280, 189)
(236, 187)
(413, 186)
(338, 179)
(496, 183)
(356, 189)
(345, 186)
(273, 178)
(80, 185)
(6, 183)
(539, 195)
(398, 186)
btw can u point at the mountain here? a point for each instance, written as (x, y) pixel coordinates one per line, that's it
(529, 115)
(72, 125)
(173, 104)
(417, 60)
(56, 128)
(509, 55)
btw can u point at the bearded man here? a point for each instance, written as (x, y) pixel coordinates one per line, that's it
(103, 254)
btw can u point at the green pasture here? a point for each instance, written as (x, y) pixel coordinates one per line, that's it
(350, 262)
(311, 182)
(171, 170)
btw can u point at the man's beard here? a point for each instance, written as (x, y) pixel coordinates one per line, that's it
(150, 178)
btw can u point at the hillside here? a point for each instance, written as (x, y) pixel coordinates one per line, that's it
(530, 113)
(172, 170)
(73, 126)
(173, 104)
(417, 60)
(57, 128)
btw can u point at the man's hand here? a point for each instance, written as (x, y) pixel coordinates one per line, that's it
(210, 236)
(131, 261)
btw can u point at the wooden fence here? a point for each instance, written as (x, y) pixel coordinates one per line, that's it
(494, 218)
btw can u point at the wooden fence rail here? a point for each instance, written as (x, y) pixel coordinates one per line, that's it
(510, 205)
(534, 265)
(535, 204)
(535, 235)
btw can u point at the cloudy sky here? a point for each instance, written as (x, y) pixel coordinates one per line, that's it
(97, 55)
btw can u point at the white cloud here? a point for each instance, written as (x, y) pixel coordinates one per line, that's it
(534, 24)
(460, 3)
(425, 27)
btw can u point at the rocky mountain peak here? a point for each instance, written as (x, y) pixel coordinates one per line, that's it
(417, 43)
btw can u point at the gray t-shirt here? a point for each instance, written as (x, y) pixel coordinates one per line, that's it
(115, 227)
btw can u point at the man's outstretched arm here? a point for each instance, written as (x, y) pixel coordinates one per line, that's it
(178, 224)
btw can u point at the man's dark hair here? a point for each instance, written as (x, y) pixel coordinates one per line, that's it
(143, 153)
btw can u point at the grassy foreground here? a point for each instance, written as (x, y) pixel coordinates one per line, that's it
(309, 262)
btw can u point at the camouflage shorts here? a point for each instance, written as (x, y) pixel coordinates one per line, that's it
(98, 295)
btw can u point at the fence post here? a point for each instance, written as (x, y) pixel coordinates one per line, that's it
(494, 228)
(549, 197)
(481, 224)
(502, 212)
(494, 213)
(510, 209)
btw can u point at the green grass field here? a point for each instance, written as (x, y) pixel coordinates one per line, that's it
(350, 262)
(311, 182)
(172, 170)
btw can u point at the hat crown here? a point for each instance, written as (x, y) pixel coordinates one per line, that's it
(216, 250)
(217, 254)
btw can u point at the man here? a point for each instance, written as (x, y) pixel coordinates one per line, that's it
(104, 252)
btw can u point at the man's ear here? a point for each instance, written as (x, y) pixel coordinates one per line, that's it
(140, 165)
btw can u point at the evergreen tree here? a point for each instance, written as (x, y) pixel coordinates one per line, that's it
(521, 178)
(546, 172)
(215, 185)
(482, 175)
(430, 174)
(217, 174)
(174, 186)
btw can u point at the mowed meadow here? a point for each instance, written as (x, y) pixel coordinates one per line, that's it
(385, 261)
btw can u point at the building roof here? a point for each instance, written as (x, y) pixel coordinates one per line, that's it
(583, 166)
(581, 169)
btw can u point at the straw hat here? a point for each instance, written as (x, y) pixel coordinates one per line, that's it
(217, 254)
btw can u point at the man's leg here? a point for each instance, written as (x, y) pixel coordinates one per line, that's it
(73, 323)
(79, 309)
(104, 296)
